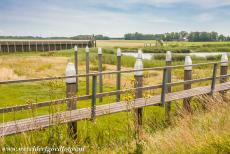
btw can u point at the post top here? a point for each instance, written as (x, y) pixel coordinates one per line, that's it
(168, 56)
(138, 65)
(75, 48)
(70, 71)
(188, 61)
(224, 59)
(99, 51)
(139, 54)
(87, 49)
(118, 52)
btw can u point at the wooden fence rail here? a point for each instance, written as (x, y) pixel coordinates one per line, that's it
(73, 114)
(40, 122)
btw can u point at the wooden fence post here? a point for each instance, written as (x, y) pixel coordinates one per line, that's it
(168, 59)
(164, 86)
(55, 47)
(15, 47)
(8, 49)
(213, 78)
(100, 70)
(223, 71)
(71, 93)
(43, 49)
(138, 84)
(76, 63)
(94, 92)
(29, 46)
(118, 74)
(87, 69)
(187, 76)
(48, 45)
(36, 46)
(23, 49)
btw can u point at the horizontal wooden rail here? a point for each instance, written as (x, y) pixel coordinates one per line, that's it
(86, 97)
(104, 73)
(40, 122)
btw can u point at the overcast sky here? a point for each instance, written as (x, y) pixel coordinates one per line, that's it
(112, 17)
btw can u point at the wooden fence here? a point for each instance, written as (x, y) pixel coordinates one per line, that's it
(72, 115)
(42, 45)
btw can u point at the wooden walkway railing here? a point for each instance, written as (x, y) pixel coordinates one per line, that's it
(72, 114)
(85, 113)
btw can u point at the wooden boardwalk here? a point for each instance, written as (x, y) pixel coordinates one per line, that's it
(41, 122)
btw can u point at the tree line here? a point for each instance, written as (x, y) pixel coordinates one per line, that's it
(173, 36)
(179, 36)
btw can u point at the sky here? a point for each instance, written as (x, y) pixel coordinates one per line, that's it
(112, 18)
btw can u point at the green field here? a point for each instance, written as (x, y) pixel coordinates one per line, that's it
(178, 47)
(113, 133)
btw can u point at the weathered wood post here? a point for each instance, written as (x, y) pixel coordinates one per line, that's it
(213, 84)
(94, 98)
(187, 76)
(100, 70)
(87, 69)
(23, 49)
(71, 93)
(8, 49)
(55, 46)
(36, 46)
(118, 74)
(15, 47)
(223, 70)
(76, 63)
(168, 59)
(48, 45)
(43, 49)
(138, 75)
(29, 46)
(0, 48)
(164, 86)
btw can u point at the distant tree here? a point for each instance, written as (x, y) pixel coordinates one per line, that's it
(101, 37)
(183, 34)
(214, 36)
(228, 38)
(221, 37)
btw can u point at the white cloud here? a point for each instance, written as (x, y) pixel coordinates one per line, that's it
(56, 19)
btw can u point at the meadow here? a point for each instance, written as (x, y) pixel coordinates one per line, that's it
(174, 46)
(113, 133)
